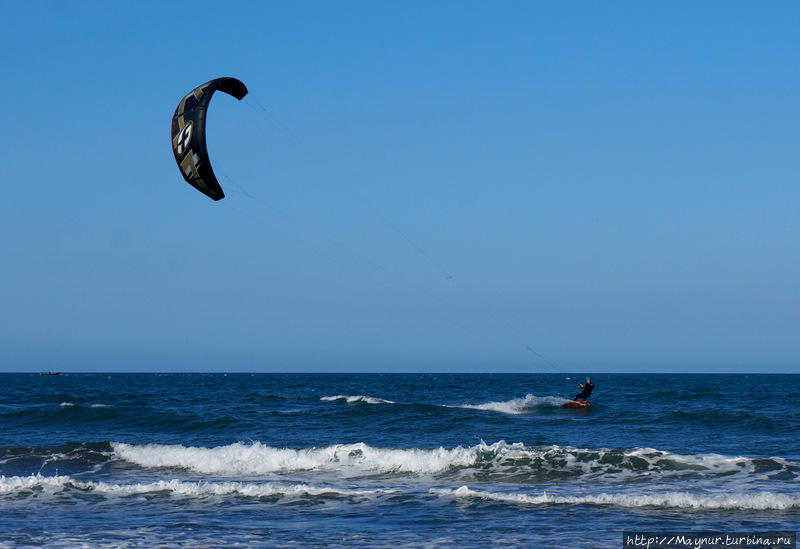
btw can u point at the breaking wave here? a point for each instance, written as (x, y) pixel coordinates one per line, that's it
(259, 459)
(34, 485)
(54, 484)
(358, 398)
(681, 500)
(498, 461)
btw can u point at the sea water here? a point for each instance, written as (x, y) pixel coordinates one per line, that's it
(149, 460)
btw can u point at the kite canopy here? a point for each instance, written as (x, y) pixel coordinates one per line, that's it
(189, 134)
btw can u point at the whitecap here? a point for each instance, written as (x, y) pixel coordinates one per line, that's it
(15, 484)
(358, 398)
(680, 500)
(55, 484)
(498, 460)
(260, 459)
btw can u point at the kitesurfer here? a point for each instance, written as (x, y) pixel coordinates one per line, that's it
(586, 390)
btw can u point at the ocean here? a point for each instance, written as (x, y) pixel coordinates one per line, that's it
(378, 460)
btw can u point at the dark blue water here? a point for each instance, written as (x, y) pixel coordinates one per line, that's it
(375, 460)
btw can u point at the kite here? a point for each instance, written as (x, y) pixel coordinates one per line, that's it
(189, 134)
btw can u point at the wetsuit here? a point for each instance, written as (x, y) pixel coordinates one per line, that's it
(586, 393)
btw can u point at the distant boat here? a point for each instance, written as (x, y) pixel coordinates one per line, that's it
(49, 373)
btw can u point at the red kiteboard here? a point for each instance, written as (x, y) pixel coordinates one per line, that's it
(577, 404)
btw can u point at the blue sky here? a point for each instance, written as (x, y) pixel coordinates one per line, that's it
(429, 186)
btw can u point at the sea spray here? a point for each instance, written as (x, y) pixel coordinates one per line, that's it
(516, 406)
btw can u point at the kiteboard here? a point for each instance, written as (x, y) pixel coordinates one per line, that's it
(577, 404)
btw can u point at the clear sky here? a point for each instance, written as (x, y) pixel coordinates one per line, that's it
(429, 186)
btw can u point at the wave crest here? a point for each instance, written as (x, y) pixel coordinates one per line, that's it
(54, 484)
(498, 461)
(681, 500)
(259, 459)
(358, 398)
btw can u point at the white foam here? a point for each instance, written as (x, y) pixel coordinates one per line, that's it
(101, 405)
(358, 398)
(498, 460)
(183, 488)
(15, 485)
(259, 459)
(713, 463)
(65, 404)
(682, 500)
(516, 406)
(761, 500)
(11, 485)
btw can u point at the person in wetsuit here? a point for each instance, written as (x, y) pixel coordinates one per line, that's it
(586, 391)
